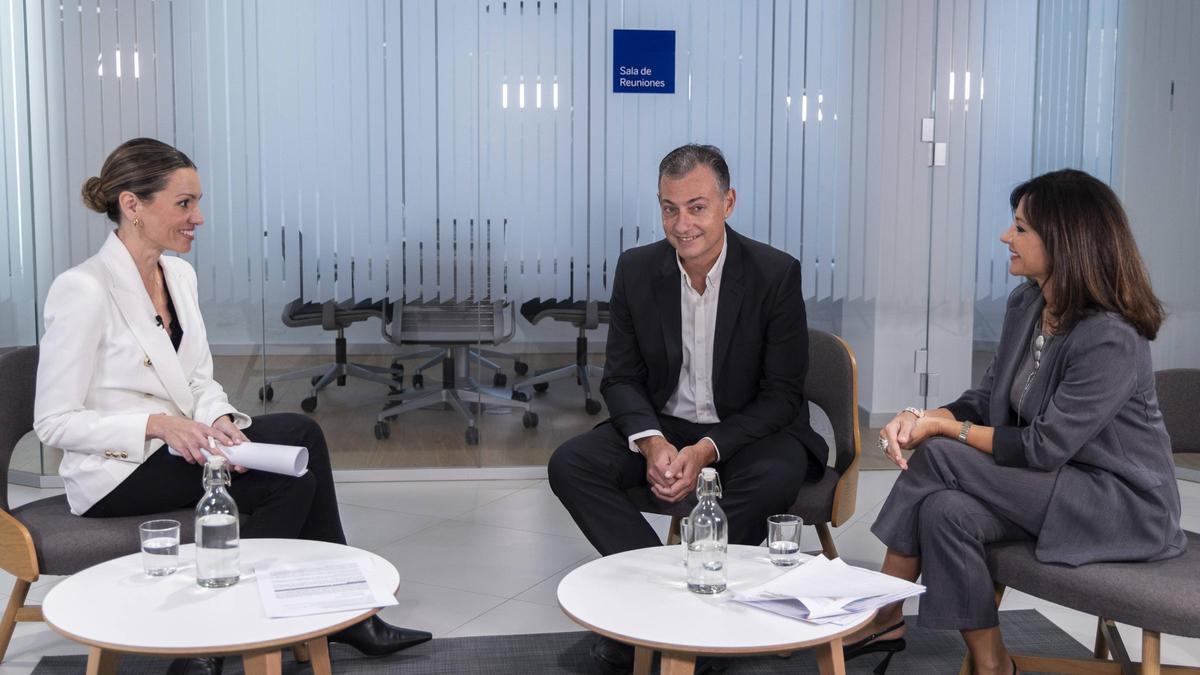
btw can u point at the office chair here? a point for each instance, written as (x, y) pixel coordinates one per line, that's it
(453, 327)
(584, 315)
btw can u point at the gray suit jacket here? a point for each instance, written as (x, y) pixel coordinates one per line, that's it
(1095, 420)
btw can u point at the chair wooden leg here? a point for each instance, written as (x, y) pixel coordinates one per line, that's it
(673, 536)
(1151, 652)
(826, 540)
(300, 652)
(16, 602)
(1100, 651)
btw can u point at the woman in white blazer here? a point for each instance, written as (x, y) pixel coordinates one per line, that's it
(125, 370)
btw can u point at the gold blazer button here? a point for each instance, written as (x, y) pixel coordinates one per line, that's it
(148, 363)
(124, 455)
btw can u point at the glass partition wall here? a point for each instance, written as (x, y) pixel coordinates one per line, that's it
(404, 198)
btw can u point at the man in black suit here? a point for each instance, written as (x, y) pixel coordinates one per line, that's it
(706, 360)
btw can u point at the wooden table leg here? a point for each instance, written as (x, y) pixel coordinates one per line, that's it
(643, 658)
(300, 652)
(318, 649)
(676, 663)
(263, 663)
(829, 658)
(102, 661)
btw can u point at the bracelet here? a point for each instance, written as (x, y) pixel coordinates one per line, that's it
(962, 433)
(918, 413)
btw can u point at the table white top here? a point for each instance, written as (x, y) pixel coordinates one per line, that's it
(641, 597)
(116, 606)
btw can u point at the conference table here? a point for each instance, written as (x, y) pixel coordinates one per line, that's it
(640, 597)
(114, 609)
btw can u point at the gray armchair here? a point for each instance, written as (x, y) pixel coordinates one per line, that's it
(832, 386)
(43, 537)
(1158, 597)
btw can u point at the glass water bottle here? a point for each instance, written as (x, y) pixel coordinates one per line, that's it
(710, 538)
(216, 529)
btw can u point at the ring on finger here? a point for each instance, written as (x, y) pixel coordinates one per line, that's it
(883, 444)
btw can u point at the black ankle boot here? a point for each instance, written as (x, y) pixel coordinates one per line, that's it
(373, 637)
(198, 665)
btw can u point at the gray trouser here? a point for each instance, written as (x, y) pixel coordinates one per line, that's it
(950, 502)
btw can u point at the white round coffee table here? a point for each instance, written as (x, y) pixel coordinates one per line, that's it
(114, 608)
(641, 598)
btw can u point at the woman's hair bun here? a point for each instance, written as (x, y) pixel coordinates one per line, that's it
(93, 195)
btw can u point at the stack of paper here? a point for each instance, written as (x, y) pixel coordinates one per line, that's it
(828, 591)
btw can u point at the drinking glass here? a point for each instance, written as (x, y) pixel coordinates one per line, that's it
(783, 539)
(685, 535)
(160, 547)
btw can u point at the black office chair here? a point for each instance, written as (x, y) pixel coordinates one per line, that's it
(583, 314)
(452, 327)
(332, 316)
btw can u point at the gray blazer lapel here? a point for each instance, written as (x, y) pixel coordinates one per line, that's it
(729, 301)
(1015, 339)
(667, 298)
(133, 302)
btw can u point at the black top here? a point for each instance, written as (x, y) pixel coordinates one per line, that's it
(176, 331)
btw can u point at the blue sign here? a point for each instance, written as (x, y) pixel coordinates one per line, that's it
(643, 61)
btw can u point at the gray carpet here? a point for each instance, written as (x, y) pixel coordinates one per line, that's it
(1025, 631)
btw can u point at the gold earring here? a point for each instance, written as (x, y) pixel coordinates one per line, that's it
(137, 222)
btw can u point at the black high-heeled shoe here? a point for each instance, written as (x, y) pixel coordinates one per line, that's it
(872, 644)
(373, 637)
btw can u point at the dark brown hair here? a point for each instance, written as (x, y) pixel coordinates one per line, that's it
(1094, 261)
(680, 162)
(140, 166)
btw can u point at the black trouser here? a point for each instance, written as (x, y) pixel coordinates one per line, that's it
(591, 472)
(275, 505)
(951, 502)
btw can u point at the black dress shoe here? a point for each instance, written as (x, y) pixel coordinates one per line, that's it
(872, 644)
(614, 658)
(373, 637)
(198, 665)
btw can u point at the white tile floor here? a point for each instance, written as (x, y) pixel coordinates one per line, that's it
(485, 558)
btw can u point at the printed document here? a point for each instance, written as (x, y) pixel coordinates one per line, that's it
(319, 586)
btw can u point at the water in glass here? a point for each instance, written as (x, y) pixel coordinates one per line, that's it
(160, 547)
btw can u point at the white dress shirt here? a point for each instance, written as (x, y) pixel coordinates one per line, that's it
(693, 396)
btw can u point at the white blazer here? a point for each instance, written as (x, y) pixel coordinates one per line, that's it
(105, 366)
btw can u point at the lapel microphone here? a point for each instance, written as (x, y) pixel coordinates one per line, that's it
(158, 320)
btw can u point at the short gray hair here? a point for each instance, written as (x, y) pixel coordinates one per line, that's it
(680, 162)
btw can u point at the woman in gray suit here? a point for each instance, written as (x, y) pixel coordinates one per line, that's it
(1065, 425)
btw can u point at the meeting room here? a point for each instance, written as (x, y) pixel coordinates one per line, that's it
(599, 336)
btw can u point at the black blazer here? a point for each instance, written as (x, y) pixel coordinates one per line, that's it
(760, 351)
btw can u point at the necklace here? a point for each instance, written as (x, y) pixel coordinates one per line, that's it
(1037, 346)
